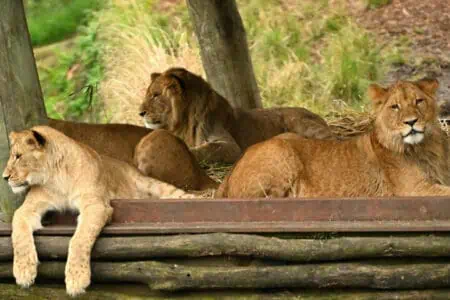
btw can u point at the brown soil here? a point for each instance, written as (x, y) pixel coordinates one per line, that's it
(422, 29)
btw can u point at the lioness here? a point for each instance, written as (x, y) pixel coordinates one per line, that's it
(406, 154)
(157, 154)
(185, 104)
(61, 174)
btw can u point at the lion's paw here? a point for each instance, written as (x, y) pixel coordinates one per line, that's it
(188, 196)
(77, 279)
(25, 268)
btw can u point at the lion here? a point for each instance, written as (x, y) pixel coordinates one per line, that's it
(186, 105)
(180, 168)
(405, 154)
(156, 153)
(62, 174)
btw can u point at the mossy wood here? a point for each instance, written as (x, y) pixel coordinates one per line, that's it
(174, 276)
(224, 51)
(141, 292)
(245, 245)
(21, 103)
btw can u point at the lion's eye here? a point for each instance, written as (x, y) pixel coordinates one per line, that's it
(395, 107)
(418, 101)
(18, 156)
(156, 95)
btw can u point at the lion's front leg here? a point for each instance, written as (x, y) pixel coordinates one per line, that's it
(93, 217)
(26, 220)
(428, 189)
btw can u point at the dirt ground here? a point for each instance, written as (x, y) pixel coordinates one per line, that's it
(422, 29)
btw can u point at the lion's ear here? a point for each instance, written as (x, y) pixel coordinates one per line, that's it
(377, 94)
(12, 135)
(38, 138)
(153, 76)
(428, 85)
(179, 81)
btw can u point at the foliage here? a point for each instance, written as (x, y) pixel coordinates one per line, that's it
(54, 20)
(305, 53)
(69, 86)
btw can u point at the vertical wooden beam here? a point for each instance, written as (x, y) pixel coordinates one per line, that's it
(224, 51)
(21, 101)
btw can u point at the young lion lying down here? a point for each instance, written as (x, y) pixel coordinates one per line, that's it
(406, 154)
(64, 174)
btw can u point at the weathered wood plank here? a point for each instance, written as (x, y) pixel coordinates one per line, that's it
(247, 227)
(224, 51)
(160, 276)
(21, 102)
(218, 244)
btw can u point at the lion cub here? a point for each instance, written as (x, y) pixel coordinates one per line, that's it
(60, 174)
(406, 154)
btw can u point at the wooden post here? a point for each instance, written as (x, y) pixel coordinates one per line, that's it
(224, 51)
(21, 102)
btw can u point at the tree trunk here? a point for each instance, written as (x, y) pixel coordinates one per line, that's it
(21, 103)
(224, 51)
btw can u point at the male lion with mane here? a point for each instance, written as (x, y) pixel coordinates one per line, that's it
(62, 174)
(186, 105)
(405, 154)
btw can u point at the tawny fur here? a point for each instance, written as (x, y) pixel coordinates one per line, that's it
(159, 155)
(62, 174)
(185, 104)
(390, 160)
(182, 170)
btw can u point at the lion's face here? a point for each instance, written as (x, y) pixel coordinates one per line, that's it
(26, 164)
(160, 108)
(405, 112)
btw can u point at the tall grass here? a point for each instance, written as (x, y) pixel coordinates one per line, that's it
(134, 48)
(305, 53)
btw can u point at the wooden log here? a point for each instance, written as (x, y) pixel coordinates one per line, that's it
(160, 276)
(224, 51)
(137, 292)
(216, 244)
(21, 104)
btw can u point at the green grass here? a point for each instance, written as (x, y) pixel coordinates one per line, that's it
(69, 86)
(305, 53)
(51, 21)
(373, 4)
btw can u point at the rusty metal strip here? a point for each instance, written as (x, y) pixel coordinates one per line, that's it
(269, 215)
(281, 210)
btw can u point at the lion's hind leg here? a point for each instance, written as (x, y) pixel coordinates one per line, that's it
(268, 169)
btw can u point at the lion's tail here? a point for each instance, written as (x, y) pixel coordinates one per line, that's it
(160, 189)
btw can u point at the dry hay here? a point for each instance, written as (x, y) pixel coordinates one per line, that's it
(350, 123)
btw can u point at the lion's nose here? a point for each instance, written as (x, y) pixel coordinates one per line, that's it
(411, 122)
(142, 113)
(6, 177)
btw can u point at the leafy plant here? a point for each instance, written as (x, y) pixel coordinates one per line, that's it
(54, 20)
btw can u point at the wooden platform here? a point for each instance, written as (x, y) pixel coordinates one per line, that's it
(172, 216)
(382, 245)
